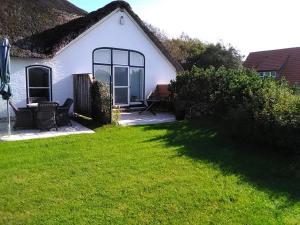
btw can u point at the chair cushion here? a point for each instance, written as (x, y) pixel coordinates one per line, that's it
(163, 91)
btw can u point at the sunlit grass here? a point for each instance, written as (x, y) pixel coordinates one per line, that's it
(179, 173)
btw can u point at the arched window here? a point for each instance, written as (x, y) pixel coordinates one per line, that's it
(39, 83)
(124, 70)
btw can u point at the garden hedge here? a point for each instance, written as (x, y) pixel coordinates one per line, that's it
(262, 109)
(101, 102)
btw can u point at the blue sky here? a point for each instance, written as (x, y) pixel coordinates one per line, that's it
(91, 5)
(248, 25)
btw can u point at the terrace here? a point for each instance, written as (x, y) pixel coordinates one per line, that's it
(126, 119)
(18, 135)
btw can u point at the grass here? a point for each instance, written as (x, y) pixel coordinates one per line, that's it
(177, 173)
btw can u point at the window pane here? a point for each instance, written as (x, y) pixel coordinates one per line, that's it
(120, 57)
(121, 76)
(102, 56)
(38, 77)
(136, 59)
(40, 93)
(102, 73)
(136, 84)
(121, 96)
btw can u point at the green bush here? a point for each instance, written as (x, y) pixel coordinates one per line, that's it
(101, 103)
(265, 109)
(116, 115)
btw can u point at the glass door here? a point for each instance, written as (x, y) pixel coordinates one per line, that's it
(136, 85)
(121, 86)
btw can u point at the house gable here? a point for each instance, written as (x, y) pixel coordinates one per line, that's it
(49, 42)
(127, 18)
(77, 56)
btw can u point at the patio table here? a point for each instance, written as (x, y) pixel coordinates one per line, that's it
(34, 107)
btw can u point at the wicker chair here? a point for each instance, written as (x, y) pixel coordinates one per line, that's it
(24, 117)
(37, 99)
(62, 113)
(45, 115)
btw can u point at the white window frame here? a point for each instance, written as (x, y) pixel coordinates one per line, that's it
(268, 74)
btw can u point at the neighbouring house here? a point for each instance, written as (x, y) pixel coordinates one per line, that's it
(51, 42)
(276, 63)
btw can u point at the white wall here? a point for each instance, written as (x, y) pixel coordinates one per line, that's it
(77, 58)
(18, 82)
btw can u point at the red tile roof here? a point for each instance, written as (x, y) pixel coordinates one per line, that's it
(285, 61)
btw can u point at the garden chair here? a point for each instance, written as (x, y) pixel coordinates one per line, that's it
(45, 115)
(24, 117)
(62, 113)
(159, 96)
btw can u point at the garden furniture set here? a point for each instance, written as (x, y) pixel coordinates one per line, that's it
(41, 114)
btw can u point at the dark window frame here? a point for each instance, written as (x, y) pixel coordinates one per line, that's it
(112, 65)
(27, 68)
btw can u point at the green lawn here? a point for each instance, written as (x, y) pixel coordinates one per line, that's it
(179, 173)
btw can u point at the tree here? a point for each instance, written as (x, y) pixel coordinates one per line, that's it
(185, 49)
(217, 55)
(191, 52)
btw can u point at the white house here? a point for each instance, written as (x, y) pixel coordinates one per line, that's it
(112, 41)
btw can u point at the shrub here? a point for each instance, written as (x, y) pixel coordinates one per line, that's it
(179, 107)
(265, 109)
(101, 104)
(116, 115)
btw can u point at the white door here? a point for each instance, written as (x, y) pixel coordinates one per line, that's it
(121, 86)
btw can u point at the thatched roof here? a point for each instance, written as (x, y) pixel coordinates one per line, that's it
(23, 18)
(43, 35)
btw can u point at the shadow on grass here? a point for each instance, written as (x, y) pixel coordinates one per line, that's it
(87, 122)
(275, 172)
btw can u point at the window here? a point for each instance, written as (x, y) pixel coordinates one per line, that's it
(136, 59)
(108, 62)
(120, 57)
(102, 56)
(267, 74)
(136, 84)
(39, 82)
(102, 73)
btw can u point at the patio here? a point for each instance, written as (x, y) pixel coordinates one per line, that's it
(134, 118)
(18, 135)
(126, 119)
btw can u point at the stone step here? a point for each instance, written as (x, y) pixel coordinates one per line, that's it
(131, 108)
